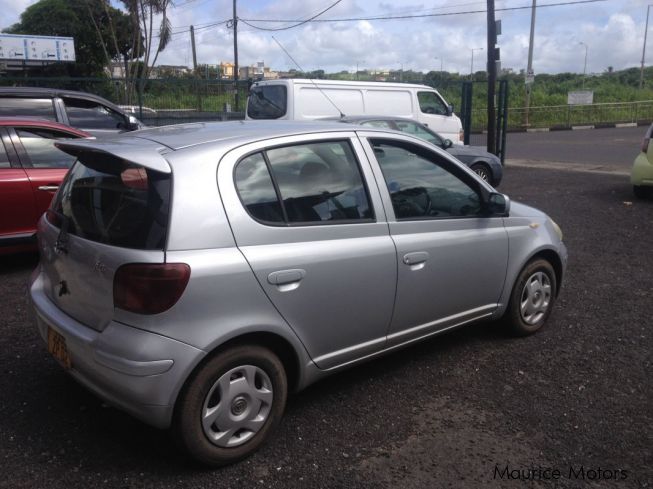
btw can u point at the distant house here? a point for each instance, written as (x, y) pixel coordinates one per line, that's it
(226, 70)
(169, 71)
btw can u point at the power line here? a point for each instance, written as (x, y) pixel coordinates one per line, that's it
(414, 16)
(298, 23)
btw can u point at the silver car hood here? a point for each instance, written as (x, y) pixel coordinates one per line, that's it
(521, 210)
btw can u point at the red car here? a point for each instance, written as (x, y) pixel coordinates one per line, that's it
(31, 169)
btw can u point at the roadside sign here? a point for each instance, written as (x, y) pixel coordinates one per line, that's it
(530, 77)
(580, 97)
(36, 48)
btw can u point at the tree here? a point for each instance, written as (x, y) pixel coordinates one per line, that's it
(142, 14)
(101, 33)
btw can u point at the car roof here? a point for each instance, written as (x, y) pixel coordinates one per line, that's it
(33, 92)
(147, 147)
(43, 123)
(180, 136)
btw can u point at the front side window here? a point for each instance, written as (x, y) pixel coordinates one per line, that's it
(420, 187)
(27, 107)
(39, 146)
(313, 183)
(419, 131)
(92, 115)
(430, 103)
(267, 102)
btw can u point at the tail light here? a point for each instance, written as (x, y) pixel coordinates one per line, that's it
(461, 136)
(645, 143)
(149, 288)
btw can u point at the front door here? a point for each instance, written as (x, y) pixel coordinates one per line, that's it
(451, 258)
(315, 235)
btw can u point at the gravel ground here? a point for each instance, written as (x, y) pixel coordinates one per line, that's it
(444, 413)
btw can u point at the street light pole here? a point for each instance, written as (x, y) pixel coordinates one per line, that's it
(440, 68)
(471, 72)
(641, 71)
(585, 65)
(529, 68)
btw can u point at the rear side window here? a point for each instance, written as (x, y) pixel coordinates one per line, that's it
(267, 102)
(114, 203)
(4, 158)
(310, 183)
(42, 108)
(92, 115)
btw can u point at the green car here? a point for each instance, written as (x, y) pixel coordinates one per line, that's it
(642, 174)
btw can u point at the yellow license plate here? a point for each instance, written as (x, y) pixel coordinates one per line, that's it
(57, 347)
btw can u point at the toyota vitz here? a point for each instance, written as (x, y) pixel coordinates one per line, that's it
(193, 275)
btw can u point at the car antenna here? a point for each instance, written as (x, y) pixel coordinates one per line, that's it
(342, 116)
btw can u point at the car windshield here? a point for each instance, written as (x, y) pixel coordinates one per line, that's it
(267, 102)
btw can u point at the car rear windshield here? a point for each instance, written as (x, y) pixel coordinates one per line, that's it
(267, 102)
(115, 203)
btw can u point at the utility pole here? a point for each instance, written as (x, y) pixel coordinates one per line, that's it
(491, 77)
(641, 71)
(235, 23)
(192, 43)
(585, 65)
(529, 70)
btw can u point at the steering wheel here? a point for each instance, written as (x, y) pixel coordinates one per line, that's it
(406, 204)
(429, 110)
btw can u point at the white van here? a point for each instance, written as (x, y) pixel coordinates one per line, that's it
(302, 99)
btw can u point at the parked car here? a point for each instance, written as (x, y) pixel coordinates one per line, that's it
(301, 99)
(484, 164)
(31, 169)
(81, 110)
(287, 252)
(642, 173)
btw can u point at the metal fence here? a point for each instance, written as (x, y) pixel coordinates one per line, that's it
(567, 116)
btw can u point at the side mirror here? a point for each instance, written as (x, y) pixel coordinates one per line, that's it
(446, 144)
(498, 204)
(449, 109)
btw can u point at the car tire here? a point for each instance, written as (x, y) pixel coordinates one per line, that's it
(229, 406)
(482, 171)
(532, 298)
(642, 192)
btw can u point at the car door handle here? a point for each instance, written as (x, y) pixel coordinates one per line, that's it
(49, 188)
(287, 279)
(416, 260)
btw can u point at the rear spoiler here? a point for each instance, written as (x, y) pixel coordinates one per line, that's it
(131, 149)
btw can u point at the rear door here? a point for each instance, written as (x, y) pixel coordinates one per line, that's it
(452, 259)
(307, 216)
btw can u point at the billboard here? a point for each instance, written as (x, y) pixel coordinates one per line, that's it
(580, 97)
(36, 48)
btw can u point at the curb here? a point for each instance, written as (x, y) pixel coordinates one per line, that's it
(607, 125)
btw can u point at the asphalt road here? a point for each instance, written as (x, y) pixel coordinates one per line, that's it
(444, 413)
(613, 147)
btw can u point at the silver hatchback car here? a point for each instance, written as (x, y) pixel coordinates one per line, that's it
(192, 275)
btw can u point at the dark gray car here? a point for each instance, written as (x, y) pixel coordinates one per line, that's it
(81, 110)
(485, 164)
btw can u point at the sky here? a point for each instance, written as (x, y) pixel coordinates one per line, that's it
(612, 31)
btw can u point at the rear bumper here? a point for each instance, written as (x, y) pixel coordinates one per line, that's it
(137, 371)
